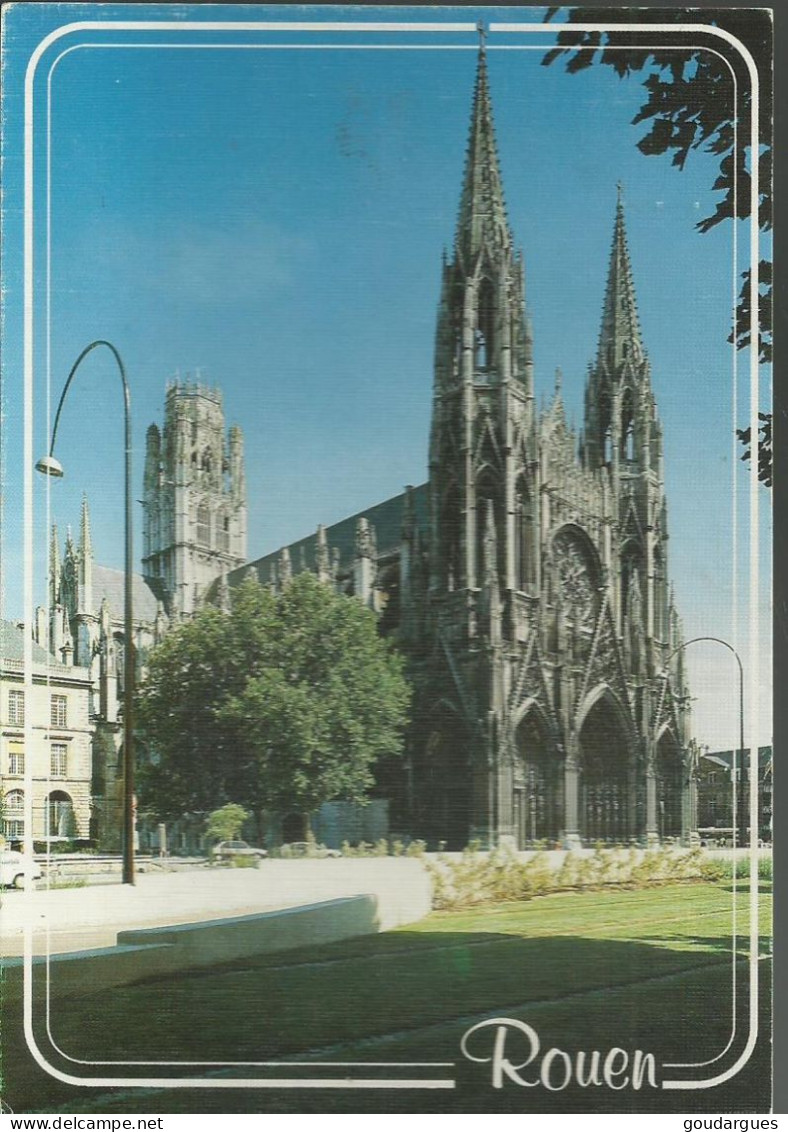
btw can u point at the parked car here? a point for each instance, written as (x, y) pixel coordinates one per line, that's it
(307, 849)
(237, 849)
(17, 869)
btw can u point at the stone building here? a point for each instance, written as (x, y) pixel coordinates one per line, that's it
(715, 794)
(59, 761)
(83, 625)
(194, 531)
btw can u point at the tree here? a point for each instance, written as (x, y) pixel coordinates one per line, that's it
(226, 823)
(285, 702)
(689, 105)
(191, 674)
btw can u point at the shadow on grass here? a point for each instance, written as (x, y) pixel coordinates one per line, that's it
(406, 1003)
(743, 887)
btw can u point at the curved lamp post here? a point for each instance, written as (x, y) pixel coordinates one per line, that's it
(49, 466)
(730, 648)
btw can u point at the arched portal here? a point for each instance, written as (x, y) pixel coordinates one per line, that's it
(293, 828)
(447, 784)
(60, 815)
(605, 778)
(669, 786)
(537, 792)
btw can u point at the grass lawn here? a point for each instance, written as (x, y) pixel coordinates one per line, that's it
(649, 970)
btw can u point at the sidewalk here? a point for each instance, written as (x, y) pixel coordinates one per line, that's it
(76, 919)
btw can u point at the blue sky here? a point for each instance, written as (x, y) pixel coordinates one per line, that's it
(275, 218)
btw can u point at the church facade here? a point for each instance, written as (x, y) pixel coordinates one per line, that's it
(526, 580)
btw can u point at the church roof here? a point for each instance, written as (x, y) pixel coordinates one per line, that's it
(482, 216)
(386, 518)
(12, 645)
(110, 583)
(725, 758)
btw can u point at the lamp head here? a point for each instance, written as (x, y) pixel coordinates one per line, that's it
(49, 466)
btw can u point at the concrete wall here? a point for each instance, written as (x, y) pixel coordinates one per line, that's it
(143, 953)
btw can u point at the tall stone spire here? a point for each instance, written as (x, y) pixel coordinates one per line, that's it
(619, 336)
(54, 568)
(85, 562)
(85, 542)
(482, 216)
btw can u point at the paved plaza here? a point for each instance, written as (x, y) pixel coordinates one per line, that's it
(75, 919)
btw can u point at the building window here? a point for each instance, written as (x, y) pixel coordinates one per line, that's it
(61, 815)
(58, 716)
(57, 761)
(223, 528)
(203, 525)
(16, 760)
(13, 811)
(14, 803)
(16, 707)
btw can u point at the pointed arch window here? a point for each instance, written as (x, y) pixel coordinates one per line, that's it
(120, 657)
(660, 597)
(451, 536)
(523, 536)
(488, 491)
(223, 531)
(204, 525)
(485, 326)
(627, 436)
(605, 430)
(631, 562)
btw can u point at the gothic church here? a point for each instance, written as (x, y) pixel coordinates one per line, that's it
(526, 580)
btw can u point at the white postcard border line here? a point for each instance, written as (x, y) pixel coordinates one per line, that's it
(28, 457)
(405, 47)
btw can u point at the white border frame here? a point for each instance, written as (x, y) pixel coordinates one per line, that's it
(373, 27)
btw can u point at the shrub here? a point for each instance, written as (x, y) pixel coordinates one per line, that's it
(720, 869)
(540, 875)
(244, 862)
(225, 824)
(54, 847)
(568, 874)
(501, 875)
(714, 870)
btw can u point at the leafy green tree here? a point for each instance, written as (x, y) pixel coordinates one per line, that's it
(689, 105)
(285, 702)
(191, 675)
(226, 823)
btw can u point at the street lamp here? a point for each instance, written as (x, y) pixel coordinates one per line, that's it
(730, 648)
(49, 466)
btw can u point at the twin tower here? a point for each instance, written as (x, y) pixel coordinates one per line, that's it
(527, 579)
